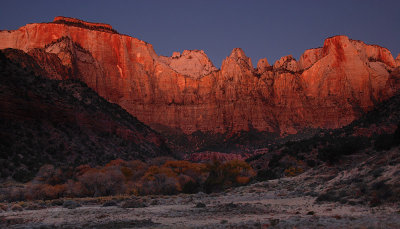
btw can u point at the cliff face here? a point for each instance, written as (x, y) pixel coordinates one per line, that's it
(328, 87)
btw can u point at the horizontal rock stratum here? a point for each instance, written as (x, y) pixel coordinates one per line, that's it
(327, 88)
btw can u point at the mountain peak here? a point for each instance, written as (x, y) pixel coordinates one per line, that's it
(287, 63)
(239, 57)
(192, 63)
(262, 65)
(343, 79)
(238, 53)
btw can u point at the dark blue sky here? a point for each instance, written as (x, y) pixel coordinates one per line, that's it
(261, 28)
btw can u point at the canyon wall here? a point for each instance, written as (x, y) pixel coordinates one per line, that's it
(327, 88)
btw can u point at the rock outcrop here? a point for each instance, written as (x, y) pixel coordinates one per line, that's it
(84, 24)
(327, 88)
(262, 66)
(192, 63)
(309, 57)
(287, 63)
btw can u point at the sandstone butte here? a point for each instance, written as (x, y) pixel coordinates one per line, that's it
(327, 88)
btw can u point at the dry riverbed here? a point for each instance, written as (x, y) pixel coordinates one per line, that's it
(284, 203)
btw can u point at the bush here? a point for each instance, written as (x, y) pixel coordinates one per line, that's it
(266, 174)
(16, 207)
(293, 171)
(160, 184)
(44, 191)
(133, 177)
(342, 146)
(387, 141)
(102, 182)
(228, 174)
(383, 142)
(70, 204)
(133, 204)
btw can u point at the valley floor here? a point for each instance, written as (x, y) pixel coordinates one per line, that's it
(283, 203)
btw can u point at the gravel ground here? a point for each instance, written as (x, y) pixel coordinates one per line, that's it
(284, 203)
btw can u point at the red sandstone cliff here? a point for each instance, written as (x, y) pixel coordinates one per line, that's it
(328, 87)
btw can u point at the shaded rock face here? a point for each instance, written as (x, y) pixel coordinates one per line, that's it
(327, 88)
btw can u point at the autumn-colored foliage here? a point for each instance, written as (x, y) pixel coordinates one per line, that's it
(162, 176)
(293, 171)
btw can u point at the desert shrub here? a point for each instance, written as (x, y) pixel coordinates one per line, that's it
(81, 169)
(191, 187)
(3, 207)
(380, 192)
(228, 174)
(164, 176)
(159, 184)
(173, 177)
(329, 196)
(16, 207)
(159, 180)
(158, 161)
(342, 146)
(153, 171)
(293, 171)
(44, 191)
(387, 141)
(180, 167)
(117, 162)
(311, 163)
(266, 174)
(48, 174)
(383, 142)
(74, 189)
(13, 194)
(138, 169)
(102, 182)
(127, 172)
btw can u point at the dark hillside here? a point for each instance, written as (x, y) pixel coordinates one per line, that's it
(45, 121)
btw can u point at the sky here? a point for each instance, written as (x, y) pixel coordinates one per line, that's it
(270, 29)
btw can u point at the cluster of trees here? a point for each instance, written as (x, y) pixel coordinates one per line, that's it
(159, 176)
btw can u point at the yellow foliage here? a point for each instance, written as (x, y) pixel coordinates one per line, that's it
(154, 170)
(183, 166)
(242, 180)
(293, 171)
(237, 167)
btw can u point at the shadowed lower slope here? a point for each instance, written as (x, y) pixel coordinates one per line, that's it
(62, 122)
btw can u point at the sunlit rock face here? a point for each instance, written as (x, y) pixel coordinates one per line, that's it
(309, 57)
(398, 60)
(192, 63)
(262, 66)
(287, 63)
(327, 88)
